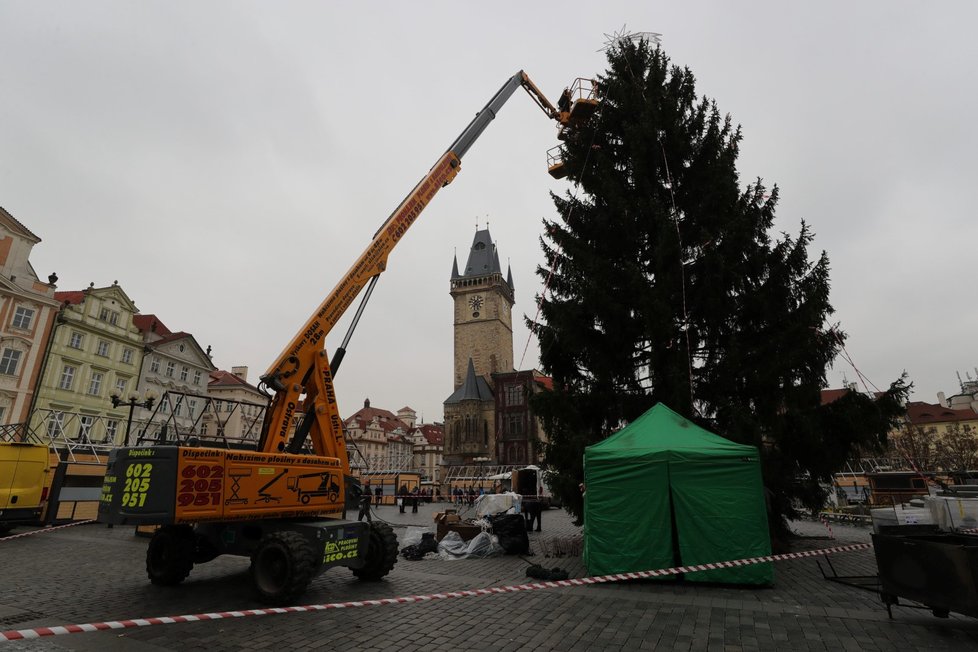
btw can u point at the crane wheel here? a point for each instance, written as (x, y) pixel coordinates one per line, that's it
(170, 555)
(282, 566)
(381, 553)
(204, 550)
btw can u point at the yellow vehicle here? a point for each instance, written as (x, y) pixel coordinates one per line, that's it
(24, 470)
(281, 504)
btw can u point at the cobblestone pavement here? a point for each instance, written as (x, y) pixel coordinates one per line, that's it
(90, 573)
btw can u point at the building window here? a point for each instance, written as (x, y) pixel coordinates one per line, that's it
(154, 366)
(514, 395)
(177, 407)
(110, 316)
(56, 423)
(111, 428)
(184, 372)
(103, 349)
(170, 367)
(67, 377)
(515, 425)
(95, 384)
(76, 341)
(85, 428)
(192, 406)
(9, 362)
(23, 318)
(127, 356)
(120, 386)
(197, 377)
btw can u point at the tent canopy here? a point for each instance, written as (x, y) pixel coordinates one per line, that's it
(663, 492)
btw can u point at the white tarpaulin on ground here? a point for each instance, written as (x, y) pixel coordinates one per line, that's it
(492, 504)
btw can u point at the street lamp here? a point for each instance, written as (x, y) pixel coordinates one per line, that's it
(481, 461)
(133, 402)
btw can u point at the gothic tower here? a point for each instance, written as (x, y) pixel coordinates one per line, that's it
(483, 346)
(483, 312)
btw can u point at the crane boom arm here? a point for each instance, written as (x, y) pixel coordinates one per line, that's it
(302, 367)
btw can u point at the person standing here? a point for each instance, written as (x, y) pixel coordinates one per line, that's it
(415, 499)
(532, 509)
(402, 496)
(364, 508)
(379, 494)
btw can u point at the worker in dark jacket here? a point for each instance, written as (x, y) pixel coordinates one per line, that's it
(402, 497)
(364, 507)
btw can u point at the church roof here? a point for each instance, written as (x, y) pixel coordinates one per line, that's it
(483, 258)
(475, 388)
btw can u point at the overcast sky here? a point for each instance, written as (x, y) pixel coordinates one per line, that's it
(227, 161)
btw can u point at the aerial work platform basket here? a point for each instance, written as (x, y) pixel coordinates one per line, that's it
(577, 104)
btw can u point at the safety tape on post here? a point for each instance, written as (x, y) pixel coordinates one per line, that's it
(45, 529)
(38, 632)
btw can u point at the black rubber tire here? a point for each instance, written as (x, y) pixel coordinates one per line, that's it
(381, 553)
(170, 555)
(282, 566)
(204, 550)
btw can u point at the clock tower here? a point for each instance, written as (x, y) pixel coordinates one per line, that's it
(483, 312)
(483, 347)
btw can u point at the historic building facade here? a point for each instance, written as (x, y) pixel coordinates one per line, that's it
(235, 408)
(428, 441)
(521, 438)
(177, 371)
(95, 351)
(483, 327)
(488, 420)
(28, 311)
(377, 439)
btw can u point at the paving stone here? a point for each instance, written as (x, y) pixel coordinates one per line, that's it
(90, 573)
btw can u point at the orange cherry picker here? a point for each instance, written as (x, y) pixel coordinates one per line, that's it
(282, 504)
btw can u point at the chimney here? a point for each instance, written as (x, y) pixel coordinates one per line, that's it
(366, 402)
(942, 400)
(240, 372)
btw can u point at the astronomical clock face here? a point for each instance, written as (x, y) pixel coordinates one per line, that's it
(475, 303)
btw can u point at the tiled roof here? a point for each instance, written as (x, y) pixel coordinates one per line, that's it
(145, 324)
(546, 381)
(221, 378)
(832, 395)
(434, 434)
(74, 298)
(387, 419)
(18, 225)
(922, 413)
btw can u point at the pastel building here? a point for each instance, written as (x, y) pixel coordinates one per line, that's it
(28, 311)
(95, 351)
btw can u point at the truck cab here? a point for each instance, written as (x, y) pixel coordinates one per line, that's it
(24, 470)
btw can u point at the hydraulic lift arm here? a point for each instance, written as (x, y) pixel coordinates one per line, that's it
(302, 373)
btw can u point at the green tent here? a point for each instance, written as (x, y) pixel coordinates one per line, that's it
(663, 492)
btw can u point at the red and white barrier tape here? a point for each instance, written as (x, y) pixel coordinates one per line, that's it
(38, 632)
(45, 529)
(825, 522)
